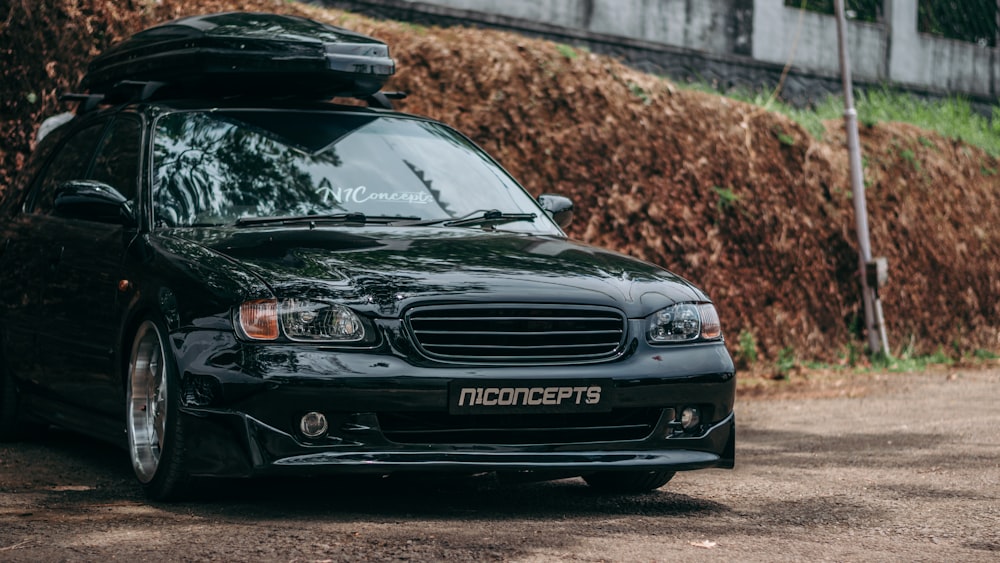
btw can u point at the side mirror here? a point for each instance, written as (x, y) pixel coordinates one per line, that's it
(560, 208)
(93, 201)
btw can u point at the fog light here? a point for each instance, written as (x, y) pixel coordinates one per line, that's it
(313, 425)
(690, 417)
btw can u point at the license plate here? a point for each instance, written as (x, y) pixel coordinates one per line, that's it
(527, 397)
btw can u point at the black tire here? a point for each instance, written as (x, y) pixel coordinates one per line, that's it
(628, 482)
(152, 408)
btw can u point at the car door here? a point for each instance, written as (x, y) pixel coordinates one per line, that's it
(28, 258)
(81, 333)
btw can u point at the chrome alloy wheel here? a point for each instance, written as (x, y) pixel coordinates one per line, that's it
(147, 401)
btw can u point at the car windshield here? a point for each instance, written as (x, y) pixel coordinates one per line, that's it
(217, 167)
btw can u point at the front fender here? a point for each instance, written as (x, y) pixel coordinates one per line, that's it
(186, 285)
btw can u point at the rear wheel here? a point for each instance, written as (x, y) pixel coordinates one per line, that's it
(154, 427)
(628, 481)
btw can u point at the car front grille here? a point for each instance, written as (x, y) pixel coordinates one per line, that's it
(443, 428)
(517, 333)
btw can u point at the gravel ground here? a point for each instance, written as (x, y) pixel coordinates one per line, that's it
(906, 469)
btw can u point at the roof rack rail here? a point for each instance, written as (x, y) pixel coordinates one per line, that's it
(88, 102)
(122, 92)
(383, 100)
(133, 91)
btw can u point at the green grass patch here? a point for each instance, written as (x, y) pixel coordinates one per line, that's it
(906, 363)
(784, 138)
(855, 360)
(785, 361)
(567, 51)
(952, 118)
(984, 355)
(415, 28)
(910, 157)
(747, 351)
(727, 200)
(638, 92)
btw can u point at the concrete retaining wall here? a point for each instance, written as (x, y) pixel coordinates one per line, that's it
(706, 25)
(732, 43)
(809, 40)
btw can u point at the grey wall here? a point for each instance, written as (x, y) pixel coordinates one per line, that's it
(927, 61)
(733, 43)
(776, 28)
(891, 52)
(706, 25)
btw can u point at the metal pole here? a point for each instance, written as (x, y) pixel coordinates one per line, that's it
(857, 178)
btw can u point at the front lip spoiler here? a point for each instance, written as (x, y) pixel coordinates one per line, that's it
(584, 462)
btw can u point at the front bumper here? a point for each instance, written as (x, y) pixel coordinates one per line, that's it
(241, 418)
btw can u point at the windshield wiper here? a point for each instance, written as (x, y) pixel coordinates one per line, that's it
(488, 218)
(359, 218)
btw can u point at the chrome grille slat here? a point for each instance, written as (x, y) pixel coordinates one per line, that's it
(520, 347)
(516, 333)
(535, 359)
(525, 333)
(588, 319)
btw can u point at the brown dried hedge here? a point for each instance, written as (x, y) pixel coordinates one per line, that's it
(741, 200)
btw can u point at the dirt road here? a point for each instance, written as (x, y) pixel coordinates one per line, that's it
(910, 471)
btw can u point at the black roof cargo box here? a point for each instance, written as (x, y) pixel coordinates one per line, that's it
(242, 53)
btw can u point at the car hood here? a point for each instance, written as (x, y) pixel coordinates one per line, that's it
(389, 269)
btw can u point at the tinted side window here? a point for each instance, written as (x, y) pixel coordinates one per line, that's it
(70, 162)
(117, 161)
(16, 195)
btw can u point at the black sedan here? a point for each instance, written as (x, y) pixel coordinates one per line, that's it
(236, 287)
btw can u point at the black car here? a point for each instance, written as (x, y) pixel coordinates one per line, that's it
(232, 281)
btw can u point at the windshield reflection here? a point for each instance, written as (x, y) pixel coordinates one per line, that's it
(213, 168)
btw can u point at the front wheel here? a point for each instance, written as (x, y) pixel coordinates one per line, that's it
(154, 428)
(628, 481)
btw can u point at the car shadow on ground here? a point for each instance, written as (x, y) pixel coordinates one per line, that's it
(430, 496)
(98, 472)
(82, 470)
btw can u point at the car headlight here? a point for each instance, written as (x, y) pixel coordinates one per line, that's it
(684, 322)
(259, 319)
(300, 320)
